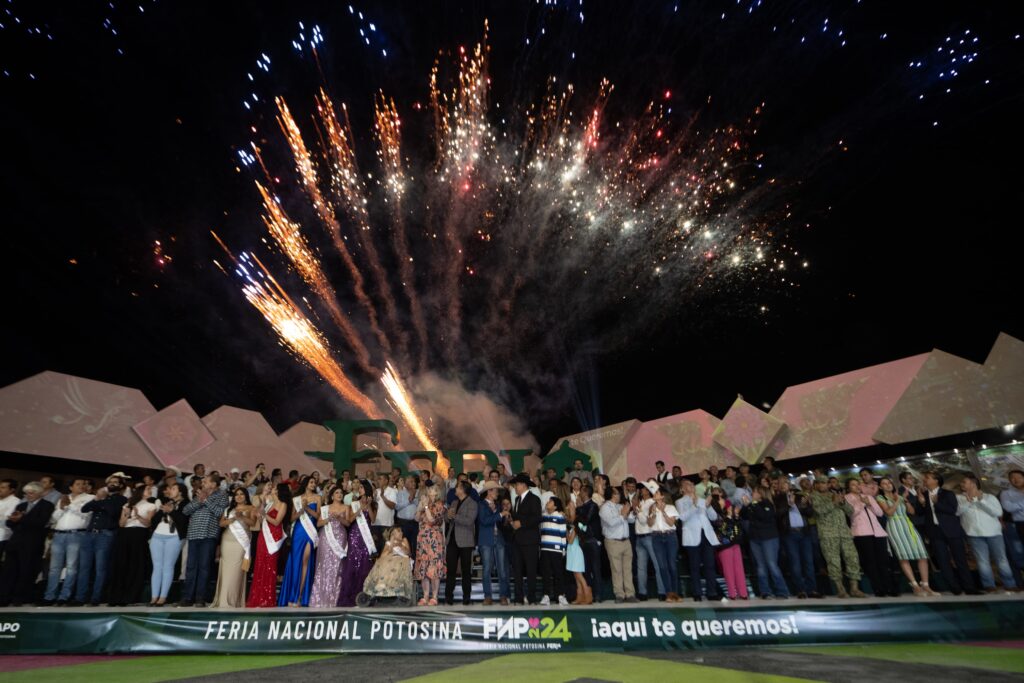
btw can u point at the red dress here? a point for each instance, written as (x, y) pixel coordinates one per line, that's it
(263, 592)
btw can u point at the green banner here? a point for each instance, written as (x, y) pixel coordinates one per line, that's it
(577, 630)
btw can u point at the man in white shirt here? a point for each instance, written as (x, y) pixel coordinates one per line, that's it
(979, 514)
(69, 523)
(198, 472)
(8, 501)
(663, 477)
(548, 494)
(386, 496)
(503, 477)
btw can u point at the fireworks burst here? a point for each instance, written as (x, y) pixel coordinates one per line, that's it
(563, 213)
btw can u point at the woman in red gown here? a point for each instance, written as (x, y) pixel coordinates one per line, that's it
(263, 592)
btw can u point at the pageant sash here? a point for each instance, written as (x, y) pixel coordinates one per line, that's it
(339, 551)
(268, 538)
(241, 535)
(364, 531)
(307, 525)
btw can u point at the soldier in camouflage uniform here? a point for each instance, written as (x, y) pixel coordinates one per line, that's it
(831, 510)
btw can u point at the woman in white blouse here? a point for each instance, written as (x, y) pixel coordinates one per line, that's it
(129, 567)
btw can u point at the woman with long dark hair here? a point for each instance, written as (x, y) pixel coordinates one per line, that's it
(130, 563)
(263, 591)
(234, 551)
(170, 528)
(298, 574)
(763, 533)
(330, 561)
(361, 545)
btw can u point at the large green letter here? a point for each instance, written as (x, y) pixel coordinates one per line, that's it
(345, 455)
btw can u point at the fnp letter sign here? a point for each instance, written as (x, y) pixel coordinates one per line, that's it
(345, 455)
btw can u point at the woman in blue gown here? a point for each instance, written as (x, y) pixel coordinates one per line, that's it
(298, 574)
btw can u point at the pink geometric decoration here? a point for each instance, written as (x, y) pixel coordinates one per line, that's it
(843, 411)
(683, 439)
(175, 433)
(747, 431)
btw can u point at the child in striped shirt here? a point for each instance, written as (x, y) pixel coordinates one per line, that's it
(552, 551)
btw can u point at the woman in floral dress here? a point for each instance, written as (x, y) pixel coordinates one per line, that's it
(430, 566)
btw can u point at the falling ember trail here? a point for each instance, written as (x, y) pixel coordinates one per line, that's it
(350, 192)
(294, 329)
(388, 126)
(308, 176)
(402, 402)
(289, 239)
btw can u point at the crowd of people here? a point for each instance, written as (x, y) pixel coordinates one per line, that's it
(260, 539)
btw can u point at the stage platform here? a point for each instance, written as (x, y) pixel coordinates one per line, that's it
(605, 627)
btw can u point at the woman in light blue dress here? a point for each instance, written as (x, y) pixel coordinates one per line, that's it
(298, 574)
(574, 561)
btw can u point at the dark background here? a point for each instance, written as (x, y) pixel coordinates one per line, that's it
(911, 229)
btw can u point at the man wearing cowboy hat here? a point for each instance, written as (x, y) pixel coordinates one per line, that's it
(525, 517)
(489, 540)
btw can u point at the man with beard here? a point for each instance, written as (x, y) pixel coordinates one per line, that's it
(98, 540)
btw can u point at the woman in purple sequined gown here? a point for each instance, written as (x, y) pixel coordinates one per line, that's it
(327, 584)
(358, 562)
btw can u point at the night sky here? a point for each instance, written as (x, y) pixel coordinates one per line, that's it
(123, 124)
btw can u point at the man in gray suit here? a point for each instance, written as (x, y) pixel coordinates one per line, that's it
(461, 541)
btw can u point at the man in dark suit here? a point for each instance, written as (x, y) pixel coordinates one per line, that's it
(941, 525)
(525, 517)
(25, 547)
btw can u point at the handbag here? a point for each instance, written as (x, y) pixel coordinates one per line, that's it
(728, 531)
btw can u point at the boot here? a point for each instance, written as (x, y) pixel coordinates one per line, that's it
(855, 590)
(840, 591)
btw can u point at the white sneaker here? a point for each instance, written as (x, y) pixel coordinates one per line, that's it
(545, 601)
(562, 600)
(725, 599)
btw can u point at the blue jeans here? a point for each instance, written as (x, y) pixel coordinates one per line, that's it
(64, 551)
(666, 553)
(164, 551)
(93, 559)
(197, 572)
(986, 549)
(800, 550)
(766, 555)
(494, 556)
(644, 554)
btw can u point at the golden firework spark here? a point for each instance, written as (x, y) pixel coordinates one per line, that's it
(402, 402)
(294, 330)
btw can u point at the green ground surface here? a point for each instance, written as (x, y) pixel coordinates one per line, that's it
(992, 658)
(833, 663)
(155, 668)
(543, 668)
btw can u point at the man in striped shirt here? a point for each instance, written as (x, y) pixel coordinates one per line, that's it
(204, 513)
